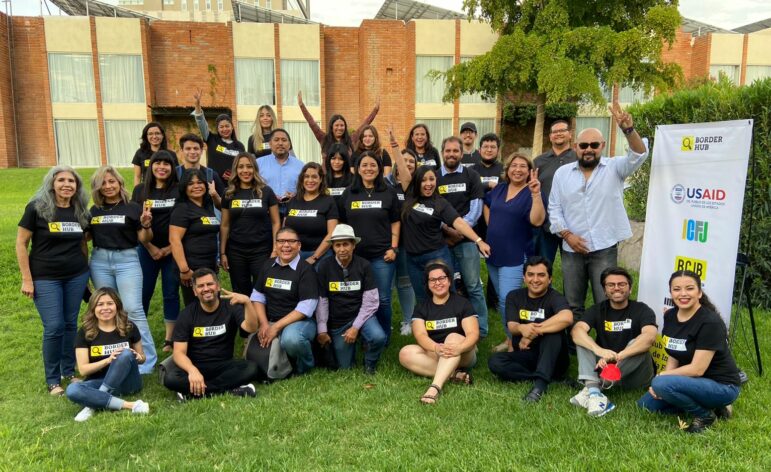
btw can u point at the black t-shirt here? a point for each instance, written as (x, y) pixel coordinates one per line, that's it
(337, 185)
(371, 218)
(263, 149)
(471, 159)
(142, 159)
(522, 309)
(250, 225)
(441, 320)
(104, 344)
(210, 337)
(422, 224)
(285, 287)
(57, 251)
(220, 155)
(115, 226)
(385, 158)
(615, 328)
(459, 188)
(309, 219)
(489, 174)
(429, 158)
(344, 293)
(211, 176)
(397, 186)
(200, 240)
(162, 201)
(704, 331)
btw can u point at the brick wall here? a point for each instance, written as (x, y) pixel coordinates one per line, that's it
(700, 56)
(7, 130)
(680, 52)
(341, 74)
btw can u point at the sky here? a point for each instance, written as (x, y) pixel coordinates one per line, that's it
(721, 13)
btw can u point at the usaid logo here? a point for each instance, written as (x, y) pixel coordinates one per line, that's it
(698, 197)
(678, 194)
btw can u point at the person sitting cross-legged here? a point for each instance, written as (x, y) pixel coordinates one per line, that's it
(625, 331)
(349, 299)
(204, 337)
(536, 316)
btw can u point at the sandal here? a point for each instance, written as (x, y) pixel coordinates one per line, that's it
(168, 345)
(462, 376)
(70, 379)
(55, 390)
(432, 398)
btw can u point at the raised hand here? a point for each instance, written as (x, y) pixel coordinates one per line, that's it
(534, 183)
(147, 216)
(300, 98)
(235, 298)
(197, 97)
(622, 118)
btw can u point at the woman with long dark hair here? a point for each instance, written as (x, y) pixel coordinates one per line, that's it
(159, 192)
(258, 143)
(700, 377)
(153, 140)
(337, 170)
(369, 140)
(54, 272)
(193, 230)
(222, 146)
(313, 213)
(371, 207)
(109, 352)
(117, 227)
(419, 141)
(249, 224)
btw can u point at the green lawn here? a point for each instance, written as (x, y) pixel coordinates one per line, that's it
(344, 420)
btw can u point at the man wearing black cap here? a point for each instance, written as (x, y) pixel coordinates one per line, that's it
(468, 135)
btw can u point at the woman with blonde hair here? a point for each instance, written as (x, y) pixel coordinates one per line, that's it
(265, 122)
(109, 350)
(117, 227)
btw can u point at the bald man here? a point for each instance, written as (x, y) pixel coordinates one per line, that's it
(586, 208)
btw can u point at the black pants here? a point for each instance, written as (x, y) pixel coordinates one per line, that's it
(220, 376)
(245, 264)
(547, 360)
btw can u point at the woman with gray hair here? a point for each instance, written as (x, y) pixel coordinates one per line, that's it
(54, 272)
(116, 228)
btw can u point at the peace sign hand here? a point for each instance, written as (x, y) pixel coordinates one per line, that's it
(235, 298)
(623, 119)
(197, 97)
(147, 216)
(534, 183)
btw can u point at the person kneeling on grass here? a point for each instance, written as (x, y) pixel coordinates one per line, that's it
(625, 331)
(108, 350)
(536, 316)
(349, 299)
(447, 330)
(204, 336)
(700, 377)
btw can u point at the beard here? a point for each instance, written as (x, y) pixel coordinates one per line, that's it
(589, 164)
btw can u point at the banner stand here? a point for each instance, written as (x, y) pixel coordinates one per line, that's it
(745, 289)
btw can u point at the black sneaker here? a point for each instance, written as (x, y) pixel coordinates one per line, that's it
(370, 369)
(247, 390)
(700, 424)
(724, 412)
(534, 395)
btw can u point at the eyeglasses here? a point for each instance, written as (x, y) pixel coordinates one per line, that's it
(437, 280)
(619, 285)
(593, 145)
(281, 242)
(557, 131)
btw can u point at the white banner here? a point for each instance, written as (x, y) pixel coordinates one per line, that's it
(693, 218)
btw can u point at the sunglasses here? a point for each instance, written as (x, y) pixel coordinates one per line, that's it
(593, 145)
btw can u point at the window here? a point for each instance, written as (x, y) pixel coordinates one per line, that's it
(122, 78)
(255, 82)
(77, 143)
(220, 5)
(484, 126)
(71, 77)
(757, 73)
(731, 71)
(122, 138)
(269, 4)
(426, 89)
(244, 130)
(131, 2)
(300, 75)
(304, 143)
(475, 97)
(184, 5)
(602, 123)
(630, 95)
(168, 2)
(208, 5)
(438, 129)
(196, 5)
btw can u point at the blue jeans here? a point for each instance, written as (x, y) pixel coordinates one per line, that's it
(694, 395)
(383, 275)
(579, 269)
(465, 258)
(504, 279)
(370, 332)
(58, 303)
(121, 270)
(122, 378)
(169, 283)
(404, 287)
(296, 340)
(546, 244)
(416, 266)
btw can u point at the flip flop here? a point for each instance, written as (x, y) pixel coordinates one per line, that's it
(433, 398)
(466, 378)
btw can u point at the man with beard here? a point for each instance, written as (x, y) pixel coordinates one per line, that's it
(586, 208)
(279, 169)
(468, 135)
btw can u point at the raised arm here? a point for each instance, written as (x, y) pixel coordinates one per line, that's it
(537, 211)
(200, 119)
(317, 131)
(404, 174)
(367, 121)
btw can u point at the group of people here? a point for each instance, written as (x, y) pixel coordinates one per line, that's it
(314, 251)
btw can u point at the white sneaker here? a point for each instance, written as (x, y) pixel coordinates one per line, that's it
(598, 405)
(580, 398)
(140, 408)
(406, 329)
(84, 414)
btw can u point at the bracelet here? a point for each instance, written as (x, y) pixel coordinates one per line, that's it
(185, 271)
(478, 239)
(627, 131)
(147, 227)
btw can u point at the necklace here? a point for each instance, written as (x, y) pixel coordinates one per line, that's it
(369, 192)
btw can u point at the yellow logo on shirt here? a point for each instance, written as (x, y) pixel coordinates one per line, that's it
(278, 284)
(452, 188)
(210, 220)
(618, 326)
(107, 349)
(366, 204)
(64, 227)
(350, 286)
(209, 331)
(528, 315)
(446, 323)
(147, 162)
(108, 219)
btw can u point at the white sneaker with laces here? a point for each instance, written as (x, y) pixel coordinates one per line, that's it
(598, 405)
(84, 414)
(580, 398)
(140, 408)
(406, 329)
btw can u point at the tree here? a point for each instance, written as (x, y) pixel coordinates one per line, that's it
(565, 50)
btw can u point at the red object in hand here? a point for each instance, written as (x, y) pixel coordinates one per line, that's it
(611, 373)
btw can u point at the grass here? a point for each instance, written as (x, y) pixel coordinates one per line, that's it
(344, 420)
